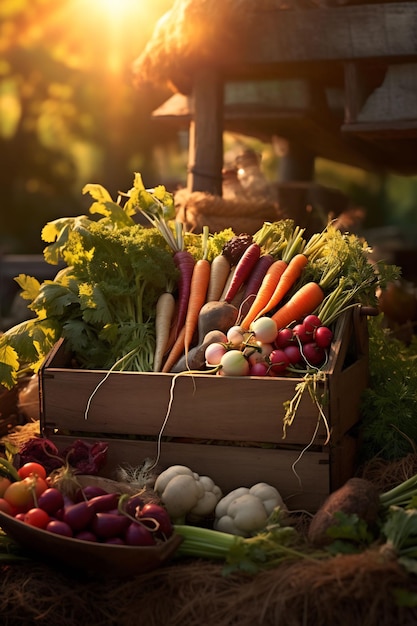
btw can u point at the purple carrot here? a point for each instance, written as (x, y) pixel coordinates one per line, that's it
(185, 262)
(254, 281)
(243, 269)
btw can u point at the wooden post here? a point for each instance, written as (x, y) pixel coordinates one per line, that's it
(297, 164)
(205, 160)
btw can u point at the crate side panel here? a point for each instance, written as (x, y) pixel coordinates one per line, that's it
(343, 460)
(345, 392)
(233, 466)
(203, 407)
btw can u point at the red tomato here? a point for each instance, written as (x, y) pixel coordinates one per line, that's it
(4, 483)
(5, 507)
(32, 468)
(37, 517)
(20, 494)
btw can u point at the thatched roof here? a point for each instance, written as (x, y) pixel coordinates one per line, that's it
(193, 32)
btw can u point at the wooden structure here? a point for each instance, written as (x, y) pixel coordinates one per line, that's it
(129, 408)
(338, 82)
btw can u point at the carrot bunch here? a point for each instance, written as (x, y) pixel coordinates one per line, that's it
(199, 284)
(279, 278)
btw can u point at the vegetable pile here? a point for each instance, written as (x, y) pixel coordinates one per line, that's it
(87, 513)
(132, 297)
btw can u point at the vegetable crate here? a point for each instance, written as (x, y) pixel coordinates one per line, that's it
(230, 428)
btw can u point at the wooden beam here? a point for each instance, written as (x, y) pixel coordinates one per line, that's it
(206, 134)
(369, 31)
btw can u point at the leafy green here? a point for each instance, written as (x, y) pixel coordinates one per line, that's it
(389, 404)
(399, 535)
(350, 534)
(103, 301)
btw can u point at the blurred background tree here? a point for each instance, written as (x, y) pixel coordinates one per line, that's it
(70, 115)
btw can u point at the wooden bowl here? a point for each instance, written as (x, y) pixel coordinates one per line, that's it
(85, 556)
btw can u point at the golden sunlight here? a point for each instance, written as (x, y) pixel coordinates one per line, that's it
(121, 25)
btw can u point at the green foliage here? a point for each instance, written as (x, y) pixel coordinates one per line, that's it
(389, 404)
(103, 302)
(350, 534)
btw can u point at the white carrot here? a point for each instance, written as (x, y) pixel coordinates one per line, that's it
(165, 309)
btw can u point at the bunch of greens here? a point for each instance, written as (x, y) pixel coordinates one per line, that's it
(103, 301)
(389, 404)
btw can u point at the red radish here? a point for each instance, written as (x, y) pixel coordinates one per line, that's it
(164, 315)
(284, 338)
(260, 368)
(313, 354)
(323, 336)
(305, 300)
(219, 273)
(254, 282)
(293, 353)
(265, 291)
(278, 362)
(243, 269)
(311, 322)
(300, 331)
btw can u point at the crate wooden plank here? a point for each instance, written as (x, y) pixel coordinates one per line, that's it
(232, 466)
(202, 406)
(230, 428)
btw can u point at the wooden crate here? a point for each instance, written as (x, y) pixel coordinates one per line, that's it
(229, 428)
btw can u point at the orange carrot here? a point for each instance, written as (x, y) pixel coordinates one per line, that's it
(288, 279)
(176, 351)
(198, 292)
(165, 308)
(220, 271)
(265, 291)
(302, 303)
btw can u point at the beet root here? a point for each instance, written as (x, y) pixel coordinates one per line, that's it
(357, 496)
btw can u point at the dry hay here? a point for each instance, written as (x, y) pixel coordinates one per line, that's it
(334, 591)
(198, 209)
(22, 433)
(354, 589)
(388, 474)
